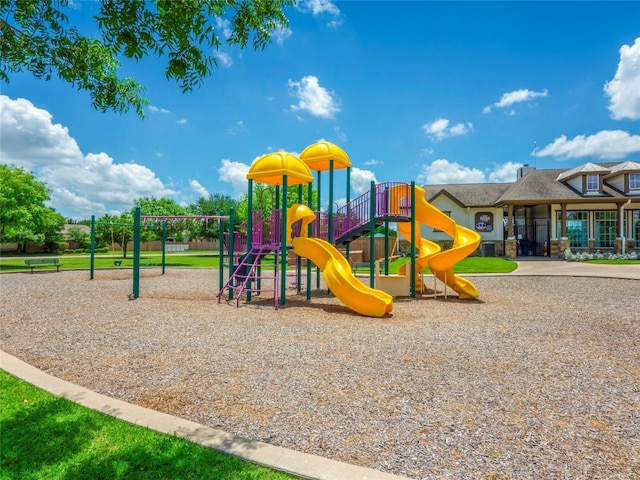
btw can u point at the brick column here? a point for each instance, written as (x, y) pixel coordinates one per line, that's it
(511, 247)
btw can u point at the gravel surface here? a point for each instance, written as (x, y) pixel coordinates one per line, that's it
(539, 378)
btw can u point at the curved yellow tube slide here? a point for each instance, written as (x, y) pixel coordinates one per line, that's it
(340, 280)
(465, 242)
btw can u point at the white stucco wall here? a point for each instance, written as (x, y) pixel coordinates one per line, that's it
(464, 217)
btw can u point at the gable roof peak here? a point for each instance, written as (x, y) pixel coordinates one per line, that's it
(585, 168)
(628, 166)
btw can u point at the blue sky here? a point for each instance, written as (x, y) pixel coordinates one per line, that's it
(432, 92)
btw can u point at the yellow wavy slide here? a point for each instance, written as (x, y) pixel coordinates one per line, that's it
(336, 269)
(465, 242)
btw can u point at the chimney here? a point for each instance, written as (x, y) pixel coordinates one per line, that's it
(525, 170)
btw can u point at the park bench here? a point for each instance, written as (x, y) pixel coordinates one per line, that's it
(41, 262)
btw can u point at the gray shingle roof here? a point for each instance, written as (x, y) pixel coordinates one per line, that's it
(470, 194)
(536, 187)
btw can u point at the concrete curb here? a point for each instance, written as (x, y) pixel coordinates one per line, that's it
(283, 459)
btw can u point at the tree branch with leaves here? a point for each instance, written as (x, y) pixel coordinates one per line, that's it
(36, 37)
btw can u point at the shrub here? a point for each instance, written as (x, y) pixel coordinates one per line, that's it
(598, 255)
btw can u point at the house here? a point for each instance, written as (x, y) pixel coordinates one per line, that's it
(544, 212)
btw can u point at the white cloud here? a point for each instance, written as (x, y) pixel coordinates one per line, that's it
(154, 109)
(313, 98)
(373, 162)
(30, 139)
(197, 187)
(361, 180)
(606, 145)
(234, 173)
(81, 185)
(443, 171)
(517, 96)
(224, 26)
(340, 134)
(182, 121)
(237, 128)
(318, 7)
(507, 172)
(224, 59)
(624, 90)
(439, 129)
(425, 152)
(281, 34)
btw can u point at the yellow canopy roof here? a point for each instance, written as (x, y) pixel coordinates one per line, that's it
(318, 156)
(272, 167)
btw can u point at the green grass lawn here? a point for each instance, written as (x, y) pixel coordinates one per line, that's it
(211, 260)
(467, 265)
(614, 262)
(46, 437)
(72, 261)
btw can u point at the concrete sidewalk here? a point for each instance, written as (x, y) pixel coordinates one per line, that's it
(542, 266)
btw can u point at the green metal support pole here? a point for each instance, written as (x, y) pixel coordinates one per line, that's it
(309, 233)
(164, 245)
(386, 248)
(93, 246)
(372, 233)
(330, 210)
(250, 232)
(283, 241)
(413, 239)
(250, 216)
(348, 219)
(231, 247)
(298, 259)
(136, 253)
(221, 253)
(319, 231)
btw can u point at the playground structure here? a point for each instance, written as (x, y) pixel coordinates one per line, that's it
(155, 222)
(319, 236)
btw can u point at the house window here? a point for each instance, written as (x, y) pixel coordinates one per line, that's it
(593, 183)
(606, 226)
(577, 228)
(634, 181)
(636, 227)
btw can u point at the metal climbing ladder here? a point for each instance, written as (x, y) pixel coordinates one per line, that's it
(247, 278)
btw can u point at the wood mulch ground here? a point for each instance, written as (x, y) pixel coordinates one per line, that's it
(539, 378)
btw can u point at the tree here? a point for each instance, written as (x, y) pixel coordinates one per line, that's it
(214, 204)
(111, 229)
(264, 198)
(79, 237)
(24, 217)
(160, 207)
(37, 38)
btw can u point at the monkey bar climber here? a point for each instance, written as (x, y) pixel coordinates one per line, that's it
(179, 221)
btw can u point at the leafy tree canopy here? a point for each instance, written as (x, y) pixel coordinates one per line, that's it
(160, 207)
(214, 204)
(115, 230)
(24, 217)
(37, 38)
